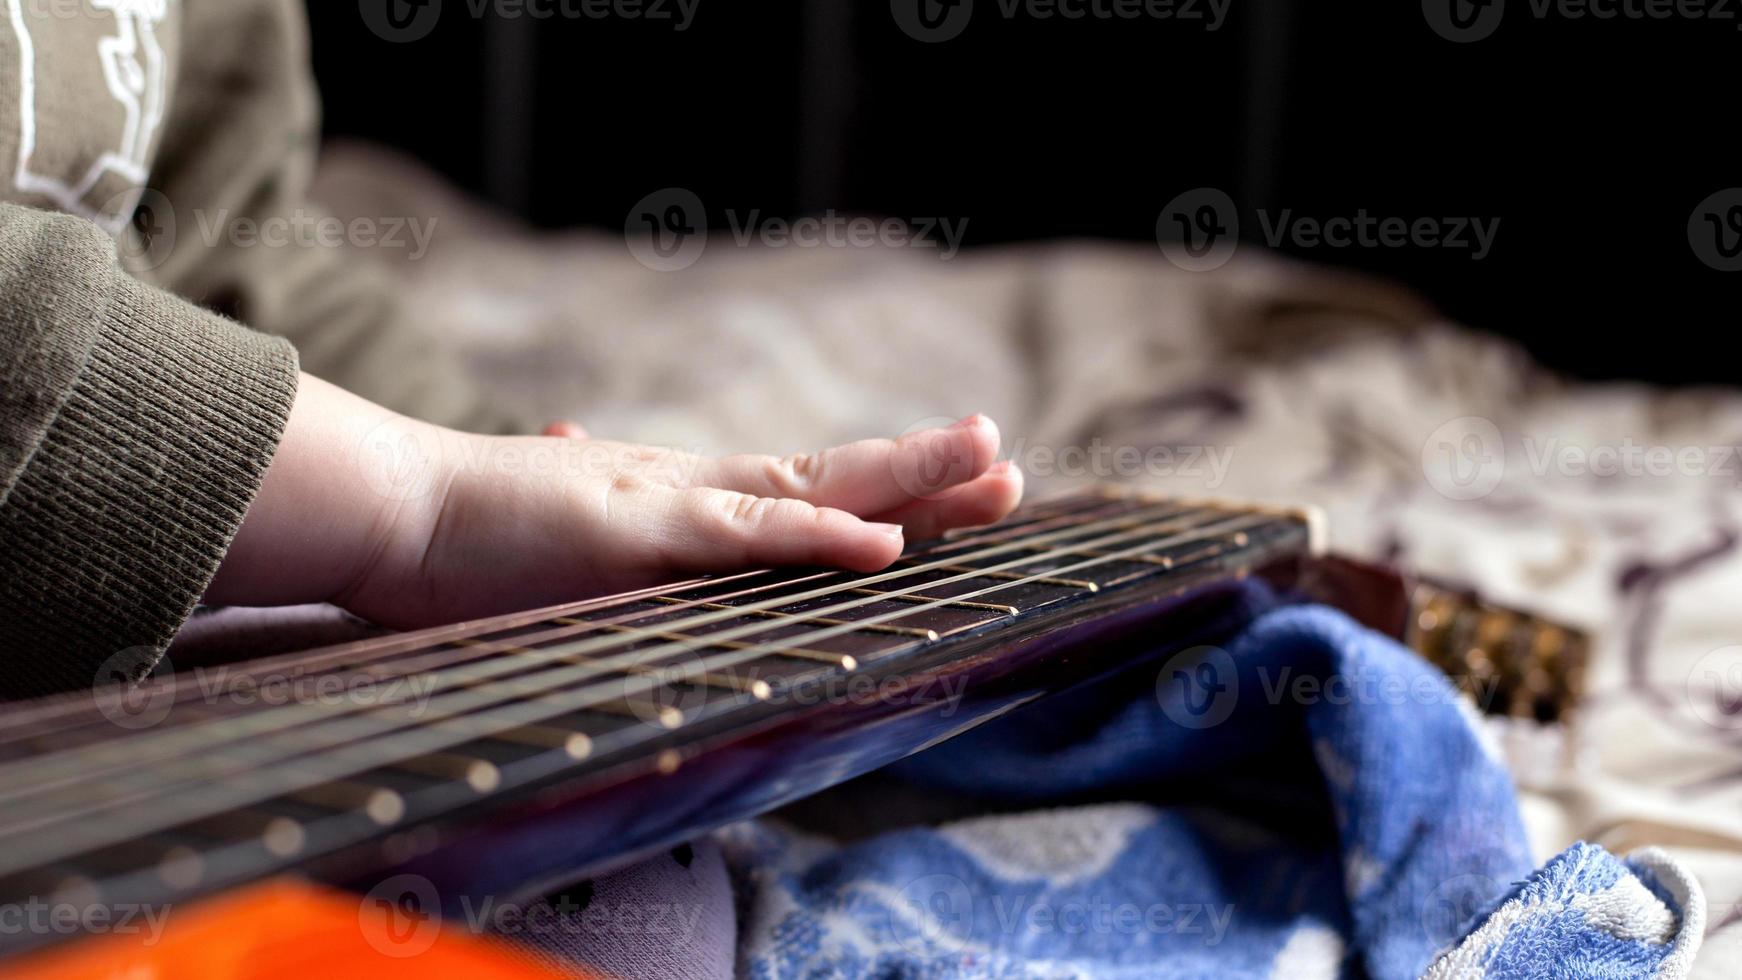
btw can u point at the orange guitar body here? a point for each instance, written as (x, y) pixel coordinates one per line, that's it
(285, 930)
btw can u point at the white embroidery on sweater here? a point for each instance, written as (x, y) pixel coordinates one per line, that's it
(133, 69)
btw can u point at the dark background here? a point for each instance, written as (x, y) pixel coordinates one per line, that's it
(1593, 141)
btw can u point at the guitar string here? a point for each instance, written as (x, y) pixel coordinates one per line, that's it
(129, 753)
(588, 669)
(248, 787)
(544, 683)
(27, 723)
(532, 685)
(194, 735)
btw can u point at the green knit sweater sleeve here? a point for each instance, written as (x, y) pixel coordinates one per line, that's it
(135, 429)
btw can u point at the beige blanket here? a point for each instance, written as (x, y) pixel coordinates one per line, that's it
(1262, 380)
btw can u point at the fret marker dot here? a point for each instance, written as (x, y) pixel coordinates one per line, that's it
(482, 776)
(283, 837)
(849, 663)
(385, 807)
(760, 690)
(669, 761)
(76, 890)
(578, 746)
(182, 867)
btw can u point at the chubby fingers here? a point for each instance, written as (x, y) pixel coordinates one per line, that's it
(986, 500)
(707, 529)
(869, 477)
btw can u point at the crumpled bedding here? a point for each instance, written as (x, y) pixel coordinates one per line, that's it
(1264, 380)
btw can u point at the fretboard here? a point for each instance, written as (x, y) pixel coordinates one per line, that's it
(191, 783)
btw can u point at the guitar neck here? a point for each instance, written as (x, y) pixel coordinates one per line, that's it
(630, 723)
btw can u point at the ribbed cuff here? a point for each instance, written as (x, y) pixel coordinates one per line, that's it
(119, 520)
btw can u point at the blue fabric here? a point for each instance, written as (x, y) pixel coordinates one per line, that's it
(1313, 800)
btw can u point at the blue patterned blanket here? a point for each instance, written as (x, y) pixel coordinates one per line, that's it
(1314, 801)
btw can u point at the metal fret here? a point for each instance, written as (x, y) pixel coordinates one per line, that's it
(841, 660)
(665, 716)
(936, 601)
(756, 689)
(280, 835)
(480, 774)
(1163, 562)
(777, 614)
(576, 745)
(1069, 583)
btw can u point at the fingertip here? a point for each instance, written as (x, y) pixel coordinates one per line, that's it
(565, 430)
(877, 547)
(1010, 480)
(985, 438)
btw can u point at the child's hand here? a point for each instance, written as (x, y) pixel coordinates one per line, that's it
(425, 525)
